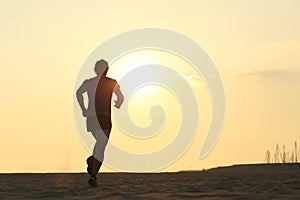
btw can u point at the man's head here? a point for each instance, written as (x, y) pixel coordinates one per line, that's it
(101, 67)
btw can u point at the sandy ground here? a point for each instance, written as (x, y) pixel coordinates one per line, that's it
(236, 182)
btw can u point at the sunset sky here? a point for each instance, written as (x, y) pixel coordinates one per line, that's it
(254, 44)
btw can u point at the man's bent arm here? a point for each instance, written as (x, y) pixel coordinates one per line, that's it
(79, 96)
(120, 96)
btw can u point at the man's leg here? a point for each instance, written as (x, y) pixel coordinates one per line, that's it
(101, 137)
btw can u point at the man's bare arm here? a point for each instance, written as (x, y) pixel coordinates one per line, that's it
(79, 96)
(120, 97)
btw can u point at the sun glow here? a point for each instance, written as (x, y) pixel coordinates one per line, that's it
(145, 97)
(135, 59)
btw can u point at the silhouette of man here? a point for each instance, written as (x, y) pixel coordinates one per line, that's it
(98, 113)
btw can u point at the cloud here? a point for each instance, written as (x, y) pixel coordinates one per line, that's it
(192, 77)
(281, 74)
(275, 75)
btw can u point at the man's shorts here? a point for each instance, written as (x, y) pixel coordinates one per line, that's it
(98, 122)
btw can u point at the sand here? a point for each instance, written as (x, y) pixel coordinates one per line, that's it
(279, 181)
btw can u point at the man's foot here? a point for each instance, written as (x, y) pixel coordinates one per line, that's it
(93, 181)
(89, 162)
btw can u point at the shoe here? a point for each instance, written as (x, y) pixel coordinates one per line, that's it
(93, 181)
(89, 162)
(95, 167)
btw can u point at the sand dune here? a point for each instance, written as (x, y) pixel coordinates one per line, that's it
(272, 181)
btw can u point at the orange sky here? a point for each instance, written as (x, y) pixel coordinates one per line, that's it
(254, 44)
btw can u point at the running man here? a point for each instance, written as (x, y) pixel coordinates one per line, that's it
(98, 113)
